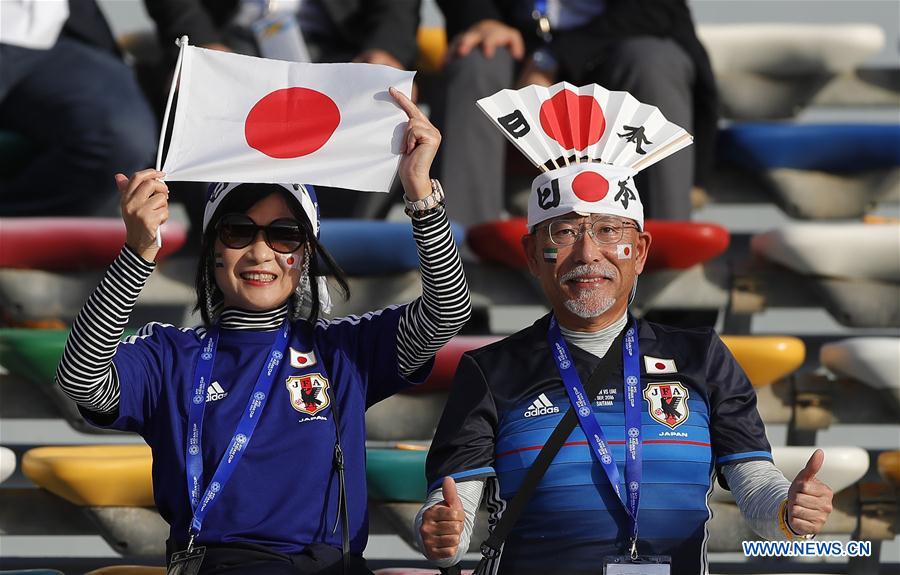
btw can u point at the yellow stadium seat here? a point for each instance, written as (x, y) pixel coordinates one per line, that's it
(889, 467)
(93, 475)
(432, 41)
(766, 359)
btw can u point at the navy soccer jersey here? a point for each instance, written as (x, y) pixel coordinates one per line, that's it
(698, 411)
(284, 492)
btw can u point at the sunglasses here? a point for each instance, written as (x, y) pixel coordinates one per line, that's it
(284, 235)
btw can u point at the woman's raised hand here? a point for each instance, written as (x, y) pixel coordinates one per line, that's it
(145, 207)
(419, 146)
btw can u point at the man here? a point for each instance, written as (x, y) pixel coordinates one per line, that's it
(66, 90)
(689, 411)
(646, 47)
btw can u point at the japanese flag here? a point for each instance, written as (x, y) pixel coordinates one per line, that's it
(245, 119)
(301, 359)
(659, 365)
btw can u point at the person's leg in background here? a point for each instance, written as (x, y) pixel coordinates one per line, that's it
(473, 151)
(658, 72)
(84, 111)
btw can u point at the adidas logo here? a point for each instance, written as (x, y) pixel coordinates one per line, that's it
(541, 406)
(215, 392)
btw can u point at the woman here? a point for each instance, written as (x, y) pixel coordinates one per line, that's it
(256, 420)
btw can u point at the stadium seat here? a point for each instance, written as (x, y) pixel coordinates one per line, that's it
(112, 483)
(843, 467)
(432, 42)
(676, 245)
(772, 70)
(817, 171)
(7, 463)
(874, 361)
(95, 475)
(766, 359)
(857, 276)
(889, 467)
(71, 244)
(820, 147)
(396, 474)
(366, 248)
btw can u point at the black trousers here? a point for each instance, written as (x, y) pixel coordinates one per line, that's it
(250, 559)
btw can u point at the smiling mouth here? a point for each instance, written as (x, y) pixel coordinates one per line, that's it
(261, 277)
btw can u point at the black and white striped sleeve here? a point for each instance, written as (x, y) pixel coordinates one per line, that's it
(85, 372)
(444, 306)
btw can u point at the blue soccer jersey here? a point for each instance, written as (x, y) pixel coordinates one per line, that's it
(699, 411)
(284, 491)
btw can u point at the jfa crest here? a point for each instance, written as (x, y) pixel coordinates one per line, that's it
(309, 393)
(668, 402)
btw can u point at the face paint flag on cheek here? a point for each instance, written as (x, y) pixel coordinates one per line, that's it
(550, 255)
(291, 261)
(220, 263)
(624, 251)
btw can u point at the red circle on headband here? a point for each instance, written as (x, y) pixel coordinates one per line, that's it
(574, 121)
(590, 186)
(291, 122)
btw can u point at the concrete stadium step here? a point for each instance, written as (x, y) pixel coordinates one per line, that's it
(843, 467)
(872, 360)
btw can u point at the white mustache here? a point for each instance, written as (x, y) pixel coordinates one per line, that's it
(603, 270)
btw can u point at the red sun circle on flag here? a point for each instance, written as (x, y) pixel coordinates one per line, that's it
(573, 121)
(291, 122)
(290, 260)
(301, 360)
(590, 186)
(660, 365)
(627, 251)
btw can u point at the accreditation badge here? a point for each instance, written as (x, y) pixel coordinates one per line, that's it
(278, 37)
(642, 565)
(186, 562)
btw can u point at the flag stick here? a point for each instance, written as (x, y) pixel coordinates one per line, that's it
(182, 43)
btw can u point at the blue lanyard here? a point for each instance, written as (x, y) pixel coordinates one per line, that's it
(592, 430)
(241, 438)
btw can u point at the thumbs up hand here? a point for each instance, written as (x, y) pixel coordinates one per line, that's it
(442, 524)
(809, 500)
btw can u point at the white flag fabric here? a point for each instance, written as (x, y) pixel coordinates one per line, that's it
(245, 119)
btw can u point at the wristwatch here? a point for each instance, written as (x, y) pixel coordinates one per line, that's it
(427, 205)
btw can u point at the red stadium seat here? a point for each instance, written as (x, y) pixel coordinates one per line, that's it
(69, 244)
(676, 245)
(447, 359)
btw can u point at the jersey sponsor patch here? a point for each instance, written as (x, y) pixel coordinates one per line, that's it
(309, 393)
(658, 365)
(300, 359)
(668, 402)
(215, 392)
(541, 406)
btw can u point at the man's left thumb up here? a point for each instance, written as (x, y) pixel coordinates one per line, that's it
(813, 466)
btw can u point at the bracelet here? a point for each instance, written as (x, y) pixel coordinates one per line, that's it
(427, 205)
